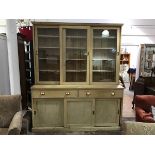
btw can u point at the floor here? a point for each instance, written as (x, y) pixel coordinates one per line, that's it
(127, 103)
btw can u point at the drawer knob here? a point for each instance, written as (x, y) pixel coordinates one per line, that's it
(67, 93)
(88, 93)
(113, 93)
(42, 93)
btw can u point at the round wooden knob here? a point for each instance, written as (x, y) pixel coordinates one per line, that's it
(113, 93)
(42, 93)
(67, 93)
(88, 93)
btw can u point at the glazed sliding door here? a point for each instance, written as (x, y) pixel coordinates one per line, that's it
(75, 55)
(48, 55)
(104, 55)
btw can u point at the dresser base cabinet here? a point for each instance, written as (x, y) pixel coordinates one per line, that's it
(72, 111)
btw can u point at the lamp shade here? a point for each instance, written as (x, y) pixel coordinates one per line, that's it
(105, 33)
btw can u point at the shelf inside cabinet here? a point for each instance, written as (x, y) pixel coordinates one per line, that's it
(102, 71)
(78, 48)
(76, 59)
(104, 48)
(53, 59)
(48, 70)
(76, 71)
(100, 37)
(76, 37)
(48, 36)
(43, 47)
(100, 59)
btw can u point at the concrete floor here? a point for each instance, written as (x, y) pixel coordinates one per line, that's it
(127, 102)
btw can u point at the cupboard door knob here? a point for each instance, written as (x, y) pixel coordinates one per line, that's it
(113, 93)
(88, 93)
(34, 112)
(67, 93)
(42, 93)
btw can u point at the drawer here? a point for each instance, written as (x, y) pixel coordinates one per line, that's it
(54, 93)
(101, 93)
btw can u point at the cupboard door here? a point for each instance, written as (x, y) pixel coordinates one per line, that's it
(104, 54)
(75, 51)
(48, 113)
(48, 56)
(107, 112)
(78, 113)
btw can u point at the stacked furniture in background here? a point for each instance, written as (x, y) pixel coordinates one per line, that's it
(26, 67)
(145, 84)
(124, 66)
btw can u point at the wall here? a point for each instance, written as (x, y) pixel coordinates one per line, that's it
(4, 67)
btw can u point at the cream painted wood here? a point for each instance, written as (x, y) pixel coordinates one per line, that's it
(75, 129)
(55, 93)
(117, 54)
(105, 93)
(64, 28)
(36, 57)
(79, 112)
(74, 87)
(76, 106)
(89, 28)
(48, 113)
(107, 112)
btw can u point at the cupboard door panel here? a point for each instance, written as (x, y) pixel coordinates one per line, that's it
(107, 112)
(79, 113)
(48, 113)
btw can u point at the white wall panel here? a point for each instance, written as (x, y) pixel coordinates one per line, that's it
(137, 40)
(4, 67)
(138, 30)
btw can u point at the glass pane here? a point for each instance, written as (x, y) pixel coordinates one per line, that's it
(76, 55)
(104, 56)
(49, 54)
